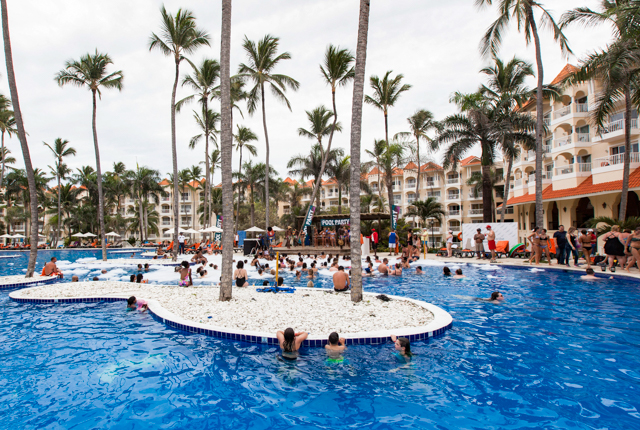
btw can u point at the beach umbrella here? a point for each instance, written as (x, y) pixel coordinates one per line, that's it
(5, 236)
(112, 233)
(276, 228)
(191, 231)
(212, 229)
(18, 236)
(255, 229)
(78, 235)
(90, 235)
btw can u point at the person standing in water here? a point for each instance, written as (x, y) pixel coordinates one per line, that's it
(403, 347)
(290, 342)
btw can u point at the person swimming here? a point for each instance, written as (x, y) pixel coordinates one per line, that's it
(446, 271)
(458, 274)
(290, 342)
(496, 297)
(419, 270)
(403, 347)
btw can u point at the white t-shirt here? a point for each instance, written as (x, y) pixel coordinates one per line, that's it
(181, 239)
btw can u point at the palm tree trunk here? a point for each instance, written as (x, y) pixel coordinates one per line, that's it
(418, 175)
(389, 181)
(207, 168)
(226, 142)
(340, 198)
(22, 136)
(266, 179)
(539, 119)
(356, 136)
(238, 205)
(627, 153)
(253, 208)
(3, 157)
(507, 183)
(174, 155)
(99, 179)
(486, 194)
(59, 213)
(140, 221)
(145, 212)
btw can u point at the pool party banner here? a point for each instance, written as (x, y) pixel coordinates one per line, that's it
(395, 213)
(334, 222)
(218, 236)
(503, 230)
(308, 219)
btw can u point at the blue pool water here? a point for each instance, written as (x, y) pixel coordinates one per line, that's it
(559, 353)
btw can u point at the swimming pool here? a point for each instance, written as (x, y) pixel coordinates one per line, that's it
(559, 353)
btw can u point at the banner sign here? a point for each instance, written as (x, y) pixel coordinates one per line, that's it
(218, 236)
(308, 219)
(395, 213)
(334, 222)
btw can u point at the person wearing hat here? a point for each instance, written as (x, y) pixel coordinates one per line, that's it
(450, 243)
(479, 239)
(491, 240)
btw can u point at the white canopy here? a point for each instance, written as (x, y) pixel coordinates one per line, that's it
(276, 228)
(89, 235)
(191, 231)
(254, 228)
(78, 235)
(6, 236)
(212, 229)
(18, 236)
(112, 233)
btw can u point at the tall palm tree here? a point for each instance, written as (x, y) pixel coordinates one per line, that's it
(7, 125)
(386, 92)
(251, 178)
(195, 178)
(263, 58)
(616, 68)
(22, 137)
(476, 181)
(356, 136)
(207, 122)
(522, 12)
(60, 150)
(379, 147)
(179, 36)
(426, 209)
(340, 170)
(203, 82)
(91, 72)
(420, 124)
(242, 139)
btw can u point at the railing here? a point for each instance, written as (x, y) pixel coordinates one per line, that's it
(166, 211)
(434, 196)
(562, 112)
(615, 159)
(397, 187)
(453, 196)
(166, 199)
(618, 125)
(571, 168)
(453, 212)
(431, 184)
(166, 222)
(566, 140)
(411, 184)
(451, 181)
(411, 200)
(546, 176)
(507, 211)
(583, 167)
(529, 156)
(474, 196)
(434, 230)
(564, 170)
(582, 107)
(547, 121)
(454, 227)
(583, 137)
(518, 182)
(473, 212)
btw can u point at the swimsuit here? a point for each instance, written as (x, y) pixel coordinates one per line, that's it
(241, 281)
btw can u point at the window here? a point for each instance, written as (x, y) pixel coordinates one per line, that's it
(186, 220)
(411, 182)
(397, 199)
(185, 209)
(615, 150)
(166, 221)
(411, 197)
(165, 209)
(184, 196)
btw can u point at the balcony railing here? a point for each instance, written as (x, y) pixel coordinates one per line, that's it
(475, 212)
(618, 125)
(582, 107)
(507, 211)
(434, 196)
(583, 137)
(545, 177)
(615, 159)
(453, 196)
(166, 211)
(475, 196)
(453, 212)
(563, 141)
(517, 182)
(431, 184)
(454, 227)
(571, 168)
(411, 184)
(562, 112)
(452, 181)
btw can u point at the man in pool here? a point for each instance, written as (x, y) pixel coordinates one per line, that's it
(50, 269)
(383, 268)
(74, 278)
(340, 280)
(336, 343)
(590, 275)
(419, 270)
(458, 274)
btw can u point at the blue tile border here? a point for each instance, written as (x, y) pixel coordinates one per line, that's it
(32, 283)
(268, 340)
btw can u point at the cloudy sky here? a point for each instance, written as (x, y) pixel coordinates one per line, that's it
(433, 43)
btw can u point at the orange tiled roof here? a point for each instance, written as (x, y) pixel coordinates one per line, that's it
(567, 71)
(430, 166)
(398, 172)
(470, 160)
(290, 181)
(164, 182)
(411, 166)
(330, 181)
(587, 187)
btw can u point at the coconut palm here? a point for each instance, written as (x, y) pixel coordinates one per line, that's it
(476, 181)
(340, 170)
(242, 139)
(7, 125)
(203, 82)
(356, 135)
(22, 137)
(250, 178)
(195, 177)
(7, 158)
(522, 12)
(420, 124)
(179, 36)
(616, 68)
(91, 72)
(60, 149)
(208, 124)
(426, 209)
(386, 92)
(263, 58)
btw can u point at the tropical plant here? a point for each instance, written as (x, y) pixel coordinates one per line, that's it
(310, 166)
(603, 224)
(22, 137)
(252, 178)
(522, 12)
(179, 36)
(386, 92)
(148, 214)
(356, 136)
(263, 58)
(60, 149)
(195, 178)
(476, 181)
(91, 72)
(420, 124)
(242, 139)
(426, 209)
(7, 125)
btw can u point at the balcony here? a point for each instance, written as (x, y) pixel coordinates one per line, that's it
(166, 198)
(431, 184)
(618, 126)
(475, 196)
(562, 112)
(508, 211)
(614, 162)
(574, 140)
(582, 107)
(166, 222)
(529, 156)
(475, 212)
(453, 181)
(454, 228)
(581, 169)
(583, 137)
(453, 196)
(546, 177)
(453, 212)
(563, 141)
(437, 197)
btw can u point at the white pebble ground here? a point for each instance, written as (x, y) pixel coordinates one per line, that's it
(314, 311)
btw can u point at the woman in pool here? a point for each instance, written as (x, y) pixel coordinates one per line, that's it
(185, 274)
(458, 274)
(446, 271)
(240, 275)
(496, 297)
(403, 347)
(290, 342)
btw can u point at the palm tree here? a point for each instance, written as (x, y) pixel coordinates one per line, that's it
(616, 68)
(242, 139)
(386, 93)
(179, 36)
(522, 12)
(91, 72)
(476, 180)
(207, 122)
(7, 125)
(356, 135)
(506, 86)
(340, 170)
(22, 137)
(263, 58)
(60, 150)
(203, 82)
(251, 177)
(6, 157)
(195, 178)
(420, 123)
(426, 209)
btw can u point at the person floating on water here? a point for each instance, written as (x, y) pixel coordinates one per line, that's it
(590, 275)
(496, 297)
(290, 342)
